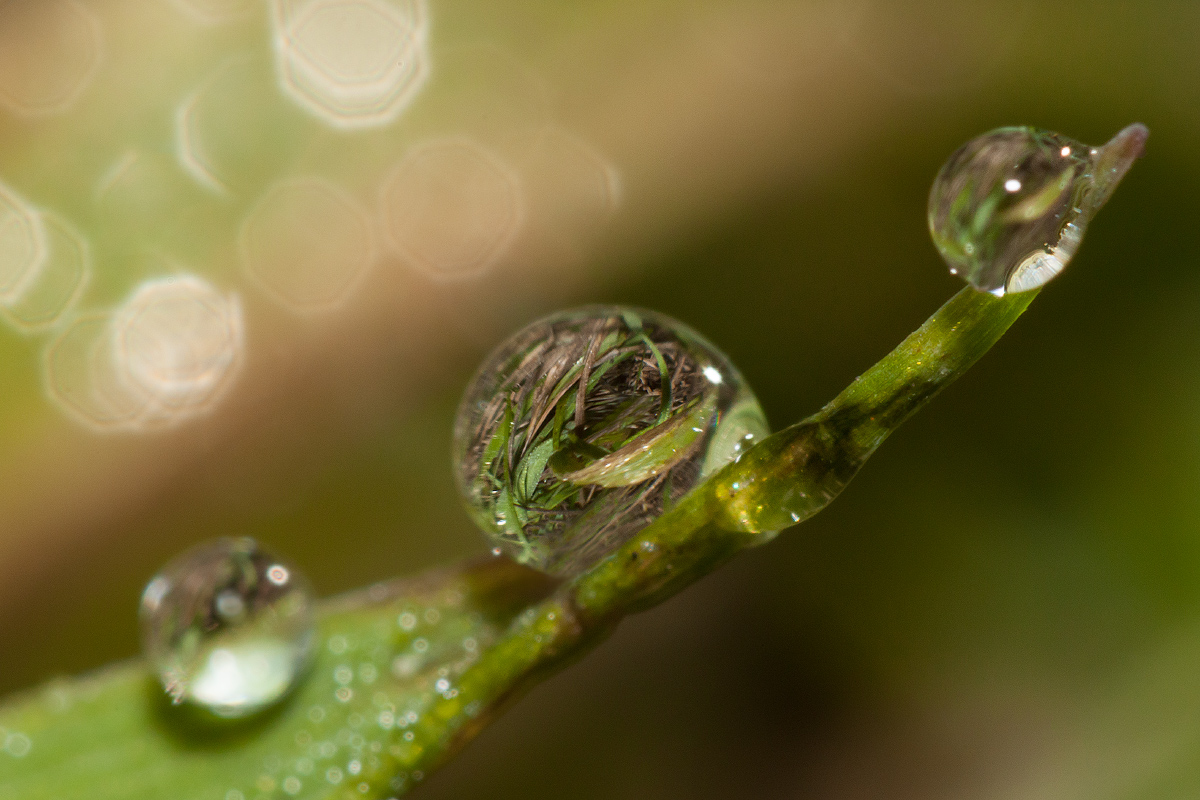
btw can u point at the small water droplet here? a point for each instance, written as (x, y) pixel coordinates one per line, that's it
(225, 629)
(1009, 209)
(582, 428)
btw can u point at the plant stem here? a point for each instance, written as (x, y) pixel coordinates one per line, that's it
(439, 657)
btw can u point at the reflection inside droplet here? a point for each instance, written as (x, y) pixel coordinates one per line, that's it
(585, 426)
(222, 633)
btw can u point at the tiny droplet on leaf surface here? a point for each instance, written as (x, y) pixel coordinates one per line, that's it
(228, 627)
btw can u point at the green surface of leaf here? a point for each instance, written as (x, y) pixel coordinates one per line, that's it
(408, 672)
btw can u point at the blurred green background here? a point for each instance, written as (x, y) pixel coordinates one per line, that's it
(1004, 604)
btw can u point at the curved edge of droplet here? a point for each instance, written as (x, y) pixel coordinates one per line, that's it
(1113, 160)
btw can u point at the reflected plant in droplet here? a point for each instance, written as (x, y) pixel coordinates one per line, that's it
(585, 426)
(228, 627)
(1009, 208)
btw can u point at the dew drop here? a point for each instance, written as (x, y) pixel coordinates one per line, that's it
(585, 426)
(228, 627)
(1009, 209)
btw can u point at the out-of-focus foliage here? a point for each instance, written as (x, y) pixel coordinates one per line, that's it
(1003, 604)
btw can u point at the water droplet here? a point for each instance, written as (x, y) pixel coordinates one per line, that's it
(228, 627)
(585, 426)
(1009, 209)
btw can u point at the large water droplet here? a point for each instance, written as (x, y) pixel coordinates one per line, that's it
(228, 627)
(1009, 208)
(585, 426)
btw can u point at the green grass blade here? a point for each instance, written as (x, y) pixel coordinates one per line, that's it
(407, 673)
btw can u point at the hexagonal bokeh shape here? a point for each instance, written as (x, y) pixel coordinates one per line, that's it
(215, 12)
(353, 63)
(452, 208)
(22, 243)
(307, 243)
(49, 53)
(58, 283)
(179, 341)
(572, 190)
(80, 377)
(234, 133)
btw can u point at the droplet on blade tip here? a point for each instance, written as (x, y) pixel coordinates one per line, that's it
(1009, 209)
